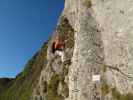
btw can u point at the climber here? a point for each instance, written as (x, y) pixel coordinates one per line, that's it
(58, 47)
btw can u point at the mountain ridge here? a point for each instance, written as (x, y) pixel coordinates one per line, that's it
(21, 86)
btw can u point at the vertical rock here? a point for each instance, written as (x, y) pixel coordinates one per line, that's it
(88, 53)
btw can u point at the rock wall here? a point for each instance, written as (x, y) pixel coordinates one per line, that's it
(88, 53)
(102, 45)
(112, 19)
(53, 81)
(116, 21)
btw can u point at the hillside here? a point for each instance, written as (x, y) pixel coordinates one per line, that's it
(4, 83)
(21, 87)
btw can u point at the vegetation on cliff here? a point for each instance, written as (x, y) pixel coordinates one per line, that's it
(21, 87)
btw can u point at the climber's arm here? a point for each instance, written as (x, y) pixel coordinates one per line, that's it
(56, 45)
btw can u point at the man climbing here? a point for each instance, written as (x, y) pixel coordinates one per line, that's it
(58, 47)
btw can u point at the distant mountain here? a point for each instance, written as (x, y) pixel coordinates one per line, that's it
(5, 83)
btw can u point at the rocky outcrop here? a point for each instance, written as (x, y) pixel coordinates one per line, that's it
(53, 81)
(98, 35)
(102, 46)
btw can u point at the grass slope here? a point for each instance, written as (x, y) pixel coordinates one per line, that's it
(21, 87)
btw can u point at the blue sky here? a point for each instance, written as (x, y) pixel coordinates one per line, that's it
(24, 26)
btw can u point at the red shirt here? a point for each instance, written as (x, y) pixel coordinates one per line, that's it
(59, 45)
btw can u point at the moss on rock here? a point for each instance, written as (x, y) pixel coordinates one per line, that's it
(105, 88)
(66, 32)
(52, 88)
(118, 96)
(88, 3)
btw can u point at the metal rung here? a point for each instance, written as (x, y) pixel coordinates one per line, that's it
(75, 90)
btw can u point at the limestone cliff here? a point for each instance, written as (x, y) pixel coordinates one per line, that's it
(102, 46)
(99, 53)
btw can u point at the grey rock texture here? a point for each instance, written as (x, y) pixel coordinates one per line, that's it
(88, 52)
(103, 34)
(54, 68)
(116, 21)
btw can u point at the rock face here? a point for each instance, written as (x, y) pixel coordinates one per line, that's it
(102, 46)
(53, 81)
(99, 57)
(116, 21)
(88, 53)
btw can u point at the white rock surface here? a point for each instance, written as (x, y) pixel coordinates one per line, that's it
(116, 20)
(103, 36)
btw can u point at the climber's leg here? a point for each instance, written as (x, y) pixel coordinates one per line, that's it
(57, 52)
(61, 54)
